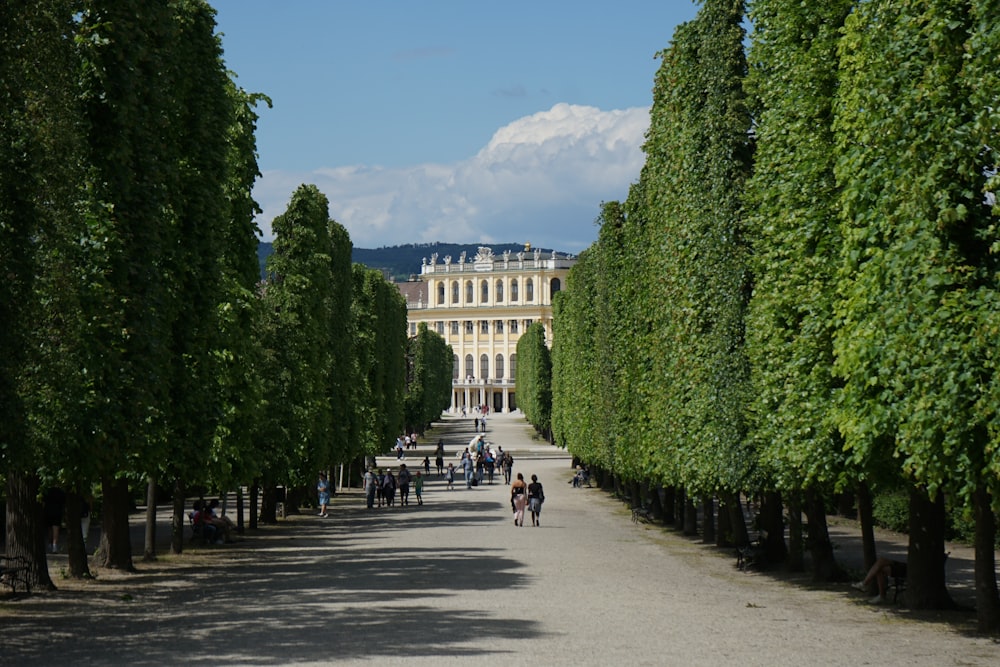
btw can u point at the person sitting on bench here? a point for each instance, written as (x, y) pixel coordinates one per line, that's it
(581, 477)
(880, 573)
(201, 523)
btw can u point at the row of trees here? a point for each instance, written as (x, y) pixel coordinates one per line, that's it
(799, 295)
(139, 347)
(430, 362)
(534, 379)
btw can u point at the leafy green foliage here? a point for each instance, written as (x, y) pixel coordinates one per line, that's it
(428, 386)
(380, 343)
(534, 377)
(792, 225)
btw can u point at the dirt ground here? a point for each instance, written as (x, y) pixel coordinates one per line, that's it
(455, 580)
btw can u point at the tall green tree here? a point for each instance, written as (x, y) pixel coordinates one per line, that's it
(699, 154)
(297, 334)
(792, 214)
(577, 421)
(918, 283)
(202, 115)
(40, 160)
(534, 378)
(340, 381)
(127, 87)
(428, 386)
(380, 344)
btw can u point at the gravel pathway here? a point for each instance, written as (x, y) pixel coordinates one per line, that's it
(455, 580)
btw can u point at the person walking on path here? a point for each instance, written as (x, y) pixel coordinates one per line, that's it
(404, 485)
(518, 499)
(418, 488)
(370, 484)
(323, 491)
(467, 468)
(439, 457)
(449, 477)
(536, 496)
(508, 467)
(389, 488)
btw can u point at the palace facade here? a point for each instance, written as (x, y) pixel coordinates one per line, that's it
(481, 307)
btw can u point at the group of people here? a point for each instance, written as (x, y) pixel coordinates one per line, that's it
(381, 486)
(479, 462)
(214, 528)
(527, 495)
(405, 442)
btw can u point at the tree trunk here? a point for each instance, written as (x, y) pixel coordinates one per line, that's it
(668, 505)
(177, 522)
(149, 551)
(76, 547)
(724, 529)
(115, 551)
(240, 527)
(708, 520)
(26, 527)
(679, 502)
(254, 496)
(656, 508)
(294, 496)
(772, 521)
(634, 494)
(796, 546)
(987, 602)
(269, 505)
(925, 585)
(824, 565)
(737, 521)
(867, 518)
(690, 517)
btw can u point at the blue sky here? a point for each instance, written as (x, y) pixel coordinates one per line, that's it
(454, 121)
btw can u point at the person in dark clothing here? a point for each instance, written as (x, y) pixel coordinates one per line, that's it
(536, 496)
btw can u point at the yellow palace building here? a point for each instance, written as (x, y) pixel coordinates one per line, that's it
(481, 307)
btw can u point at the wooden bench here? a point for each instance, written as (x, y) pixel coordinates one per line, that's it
(15, 571)
(751, 555)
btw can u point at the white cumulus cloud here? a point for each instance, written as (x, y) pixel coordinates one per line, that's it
(539, 179)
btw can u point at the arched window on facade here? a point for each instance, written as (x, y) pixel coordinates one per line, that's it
(485, 291)
(470, 367)
(454, 368)
(513, 289)
(468, 293)
(499, 291)
(440, 294)
(555, 285)
(484, 366)
(499, 366)
(454, 292)
(513, 366)
(529, 288)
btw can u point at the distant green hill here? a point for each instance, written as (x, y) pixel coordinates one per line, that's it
(402, 261)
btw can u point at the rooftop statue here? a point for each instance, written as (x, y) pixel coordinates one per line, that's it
(485, 254)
